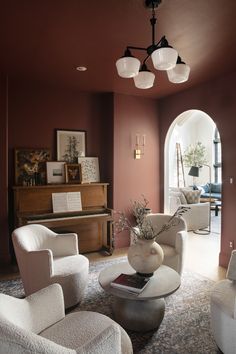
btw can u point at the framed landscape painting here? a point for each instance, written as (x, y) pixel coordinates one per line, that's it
(71, 144)
(55, 172)
(30, 166)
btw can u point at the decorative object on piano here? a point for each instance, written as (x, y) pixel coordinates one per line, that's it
(89, 169)
(55, 172)
(73, 173)
(63, 202)
(30, 167)
(145, 255)
(71, 144)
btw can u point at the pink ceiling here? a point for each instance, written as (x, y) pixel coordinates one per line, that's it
(47, 40)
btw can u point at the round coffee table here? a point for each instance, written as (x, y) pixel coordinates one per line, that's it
(145, 311)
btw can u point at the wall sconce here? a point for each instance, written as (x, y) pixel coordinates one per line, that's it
(140, 142)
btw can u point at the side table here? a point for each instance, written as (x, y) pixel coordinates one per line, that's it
(143, 312)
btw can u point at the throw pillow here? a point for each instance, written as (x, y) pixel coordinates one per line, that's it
(206, 188)
(192, 197)
(181, 197)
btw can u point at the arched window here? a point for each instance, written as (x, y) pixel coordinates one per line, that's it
(217, 157)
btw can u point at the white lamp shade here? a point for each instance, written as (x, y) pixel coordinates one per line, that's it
(127, 67)
(179, 74)
(144, 80)
(164, 58)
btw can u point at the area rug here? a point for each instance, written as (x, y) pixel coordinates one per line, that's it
(185, 328)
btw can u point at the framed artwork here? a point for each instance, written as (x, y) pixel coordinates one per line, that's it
(30, 166)
(73, 173)
(89, 169)
(71, 144)
(55, 172)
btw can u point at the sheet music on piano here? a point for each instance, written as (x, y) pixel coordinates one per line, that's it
(67, 201)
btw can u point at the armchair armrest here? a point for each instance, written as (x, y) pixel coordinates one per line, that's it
(64, 245)
(231, 271)
(108, 341)
(37, 311)
(180, 242)
(40, 263)
(180, 247)
(46, 307)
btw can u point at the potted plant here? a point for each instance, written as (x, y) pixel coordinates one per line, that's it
(195, 155)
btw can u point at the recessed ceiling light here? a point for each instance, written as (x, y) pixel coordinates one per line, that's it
(81, 68)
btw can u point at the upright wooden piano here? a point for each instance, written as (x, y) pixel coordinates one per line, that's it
(94, 224)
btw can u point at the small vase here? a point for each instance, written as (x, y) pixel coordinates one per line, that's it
(145, 256)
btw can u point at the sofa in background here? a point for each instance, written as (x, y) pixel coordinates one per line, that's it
(197, 217)
(215, 189)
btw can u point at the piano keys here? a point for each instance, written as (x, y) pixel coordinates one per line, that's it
(94, 224)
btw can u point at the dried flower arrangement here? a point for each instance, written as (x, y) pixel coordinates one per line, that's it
(144, 228)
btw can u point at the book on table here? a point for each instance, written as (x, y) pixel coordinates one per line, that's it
(130, 282)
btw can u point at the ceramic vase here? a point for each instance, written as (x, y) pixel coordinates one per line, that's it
(145, 256)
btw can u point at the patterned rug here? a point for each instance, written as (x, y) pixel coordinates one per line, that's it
(185, 328)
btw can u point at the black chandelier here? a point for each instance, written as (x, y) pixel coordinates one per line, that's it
(163, 56)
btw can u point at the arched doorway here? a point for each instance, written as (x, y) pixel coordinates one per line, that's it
(187, 129)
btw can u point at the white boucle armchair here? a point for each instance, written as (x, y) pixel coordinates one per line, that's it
(38, 325)
(172, 241)
(45, 257)
(223, 310)
(197, 216)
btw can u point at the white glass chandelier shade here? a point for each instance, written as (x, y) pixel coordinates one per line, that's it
(128, 67)
(164, 58)
(144, 80)
(179, 74)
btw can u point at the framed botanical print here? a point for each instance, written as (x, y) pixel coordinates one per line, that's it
(71, 144)
(30, 166)
(89, 169)
(55, 172)
(73, 173)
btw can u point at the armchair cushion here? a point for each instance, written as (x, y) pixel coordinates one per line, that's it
(80, 327)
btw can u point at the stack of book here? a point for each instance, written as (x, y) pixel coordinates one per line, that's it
(133, 283)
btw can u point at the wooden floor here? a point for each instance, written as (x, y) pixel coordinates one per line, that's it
(202, 254)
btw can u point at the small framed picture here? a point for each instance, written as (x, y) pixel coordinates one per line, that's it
(73, 173)
(30, 166)
(71, 144)
(89, 169)
(55, 172)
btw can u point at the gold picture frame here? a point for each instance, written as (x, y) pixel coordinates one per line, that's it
(73, 173)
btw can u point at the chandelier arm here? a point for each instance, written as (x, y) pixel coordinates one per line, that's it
(147, 57)
(138, 48)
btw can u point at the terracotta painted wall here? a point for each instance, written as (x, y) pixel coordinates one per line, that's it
(218, 99)
(132, 178)
(36, 112)
(4, 243)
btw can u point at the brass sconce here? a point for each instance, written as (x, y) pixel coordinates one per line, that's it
(140, 142)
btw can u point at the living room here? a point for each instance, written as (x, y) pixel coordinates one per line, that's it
(42, 92)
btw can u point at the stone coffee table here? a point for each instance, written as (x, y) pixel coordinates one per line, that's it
(145, 311)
